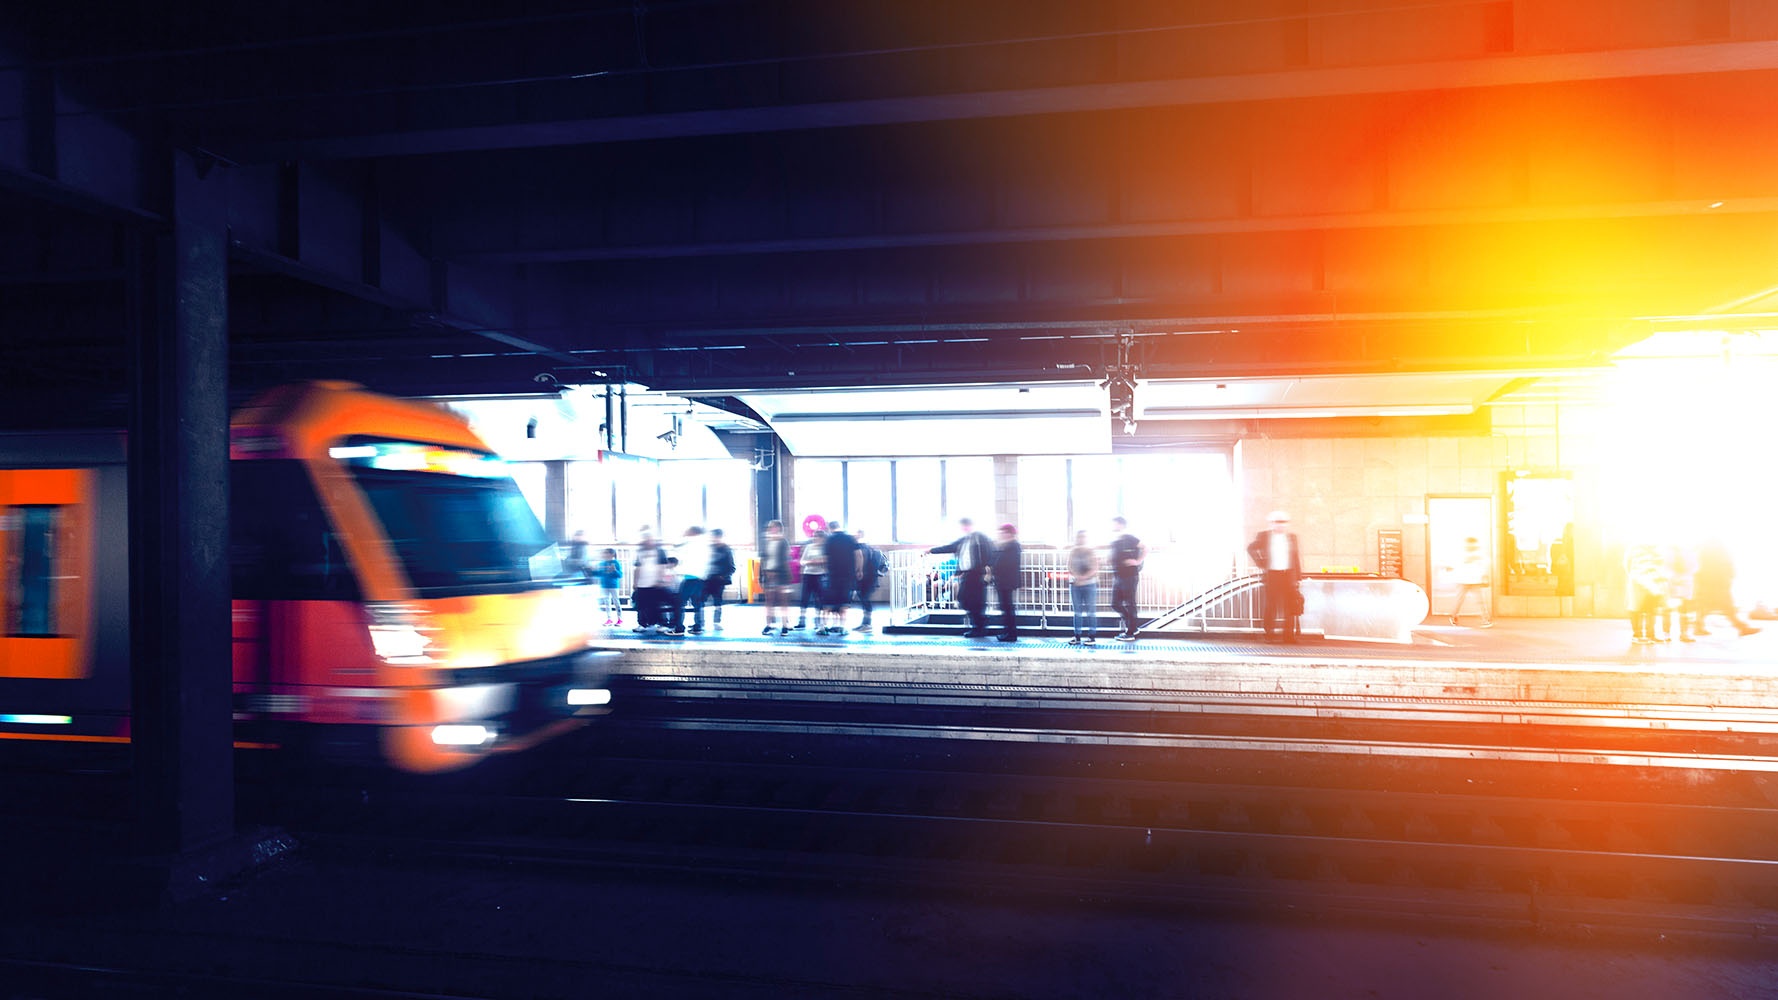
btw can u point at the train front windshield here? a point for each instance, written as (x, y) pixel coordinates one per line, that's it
(454, 518)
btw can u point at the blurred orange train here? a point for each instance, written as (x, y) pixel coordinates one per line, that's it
(394, 594)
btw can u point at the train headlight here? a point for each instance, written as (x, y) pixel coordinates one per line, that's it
(589, 696)
(401, 633)
(461, 735)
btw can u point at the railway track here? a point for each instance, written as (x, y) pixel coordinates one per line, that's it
(811, 812)
(1604, 821)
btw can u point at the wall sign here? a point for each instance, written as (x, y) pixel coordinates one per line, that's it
(1389, 552)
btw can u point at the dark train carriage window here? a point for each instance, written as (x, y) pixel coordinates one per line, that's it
(282, 544)
(31, 604)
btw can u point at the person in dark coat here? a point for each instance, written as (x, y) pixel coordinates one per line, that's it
(871, 566)
(1128, 553)
(1005, 570)
(1274, 551)
(1713, 588)
(842, 577)
(973, 552)
(719, 576)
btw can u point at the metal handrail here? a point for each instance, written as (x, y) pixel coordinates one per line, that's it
(921, 583)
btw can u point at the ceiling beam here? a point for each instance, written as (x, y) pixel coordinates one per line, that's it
(1497, 71)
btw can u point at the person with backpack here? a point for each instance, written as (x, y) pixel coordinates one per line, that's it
(873, 565)
(719, 576)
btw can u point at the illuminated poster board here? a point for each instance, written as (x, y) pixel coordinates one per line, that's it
(1538, 543)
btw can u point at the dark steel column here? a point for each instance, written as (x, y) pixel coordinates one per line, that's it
(181, 689)
(765, 487)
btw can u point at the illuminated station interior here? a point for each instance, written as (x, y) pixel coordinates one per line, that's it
(1038, 498)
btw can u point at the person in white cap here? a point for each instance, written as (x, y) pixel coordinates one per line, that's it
(1274, 551)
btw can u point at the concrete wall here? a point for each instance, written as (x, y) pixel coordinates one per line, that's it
(1341, 491)
(1006, 491)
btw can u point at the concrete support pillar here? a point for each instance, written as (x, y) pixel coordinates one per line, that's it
(789, 514)
(181, 687)
(1006, 490)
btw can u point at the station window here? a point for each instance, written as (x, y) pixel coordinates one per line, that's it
(532, 479)
(728, 498)
(710, 493)
(919, 500)
(590, 501)
(819, 490)
(1094, 492)
(868, 497)
(637, 498)
(682, 497)
(969, 490)
(31, 603)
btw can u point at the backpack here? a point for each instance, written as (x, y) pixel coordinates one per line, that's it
(876, 561)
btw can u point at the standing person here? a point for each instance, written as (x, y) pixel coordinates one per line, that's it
(872, 567)
(1646, 587)
(694, 561)
(673, 606)
(1006, 572)
(774, 577)
(646, 595)
(1681, 570)
(1083, 589)
(842, 578)
(1715, 587)
(1128, 553)
(973, 550)
(576, 564)
(1472, 575)
(720, 574)
(812, 560)
(1274, 551)
(609, 573)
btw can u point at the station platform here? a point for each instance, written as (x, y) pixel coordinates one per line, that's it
(1517, 661)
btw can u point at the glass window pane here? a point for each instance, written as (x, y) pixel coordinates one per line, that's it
(532, 478)
(637, 502)
(969, 490)
(1095, 489)
(729, 499)
(282, 545)
(1184, 505)
(918, 515)
(32, 600)
(459, 534)
(1043, 500)
(817, 491)
(589, 501)
(682, 496)
(867, 498)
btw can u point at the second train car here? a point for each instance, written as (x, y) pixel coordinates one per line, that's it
(394, 594)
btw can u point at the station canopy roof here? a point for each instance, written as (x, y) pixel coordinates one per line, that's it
(1071, 417)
